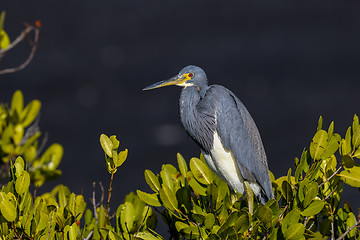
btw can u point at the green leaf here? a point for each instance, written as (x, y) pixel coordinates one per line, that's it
(325, 227)
(182, 164)
(183, 195)
(320, 123)
(295, 232)
(18, 133)
(180, 225)
(351, 176)
(314, 208)
(351, 220)
(22, 183)
(347, 161)
(8, 210)
(209, 220)
(319, 144)
(265, 215)
(52, 156)
(106, 144)
(73, 232)
(150, 199)
(243, 223)
(4, 39)
(152, 180)
(63, 195)
(115, 142)
(30, 112)
(114, 236)
(346, 143)
(195, 185)
(121, 158)
(17, 103)
(356, 132)
(331, 130)
(127, 217)
(166, 177)
(80, 206)
(146, 236)
(290, 219)
(332, 147)
(287, 191)
(200, 170)
(310, 194)
(191, 232)
(2, 20)
(168, 198)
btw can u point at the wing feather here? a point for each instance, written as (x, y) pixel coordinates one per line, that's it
(240, 135)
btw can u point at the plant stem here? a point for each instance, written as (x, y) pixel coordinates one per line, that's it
(109, 196)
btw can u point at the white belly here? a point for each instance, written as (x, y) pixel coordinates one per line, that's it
(223, 164)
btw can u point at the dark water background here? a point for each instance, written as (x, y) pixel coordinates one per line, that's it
(288, 61)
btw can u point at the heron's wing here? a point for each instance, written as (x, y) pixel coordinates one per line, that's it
(240, 135)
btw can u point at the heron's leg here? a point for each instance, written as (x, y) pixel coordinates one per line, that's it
(249, 197)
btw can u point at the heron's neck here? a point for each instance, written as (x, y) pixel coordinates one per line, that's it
(189, 98)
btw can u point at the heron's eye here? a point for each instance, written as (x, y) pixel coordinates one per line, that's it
(191, 75)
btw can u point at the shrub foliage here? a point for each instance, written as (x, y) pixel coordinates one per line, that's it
(192, 201)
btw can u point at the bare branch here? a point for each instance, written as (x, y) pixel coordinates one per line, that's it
(332, 175)
(21, 37)
(89, 236)
(348, 230)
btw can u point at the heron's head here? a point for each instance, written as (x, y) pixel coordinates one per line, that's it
(188, 76)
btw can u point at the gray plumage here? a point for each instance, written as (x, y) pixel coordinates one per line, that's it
(209, 112)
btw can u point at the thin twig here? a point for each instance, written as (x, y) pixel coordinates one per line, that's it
(348, 230)
(283, 212)
(51, 218)
(93, 201)
(89, 236)
(331, 192)
(109, 196)
(20, 38)
(332, 175)
(102, 193)
(332, 227)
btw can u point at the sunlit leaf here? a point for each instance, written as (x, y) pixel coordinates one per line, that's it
(295, 232)
(22, 183)
(351, 176)
(314, 208)
(290, 219)
(182, 164)
(8, 210)
(319, 144)
(351, 221)
(152, 180)
(150, 199)
(106, 144)
(201, 171)
(168, 198)
(121, 158)
(310, 194)
(17, 102)
(127, 217)
(30, 112)
(146, 236)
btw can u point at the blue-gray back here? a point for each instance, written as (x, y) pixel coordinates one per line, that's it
(239, 134)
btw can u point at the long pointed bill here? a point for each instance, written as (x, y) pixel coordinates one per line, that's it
(177, 80)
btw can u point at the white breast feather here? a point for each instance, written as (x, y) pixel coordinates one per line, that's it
(223, 163)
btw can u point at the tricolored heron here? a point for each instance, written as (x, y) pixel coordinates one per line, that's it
(225, 131)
